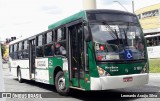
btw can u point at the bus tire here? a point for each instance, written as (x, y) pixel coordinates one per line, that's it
(60, 84)
(20, 80)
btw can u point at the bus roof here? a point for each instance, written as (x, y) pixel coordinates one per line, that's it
(17, 40)
(81, 14)
(149, 36)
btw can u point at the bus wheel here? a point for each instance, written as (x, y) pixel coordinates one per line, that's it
(60, 84)
(19, 76)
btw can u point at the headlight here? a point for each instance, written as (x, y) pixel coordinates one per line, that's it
(102, 72)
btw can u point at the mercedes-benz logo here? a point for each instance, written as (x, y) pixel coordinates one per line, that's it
(126, 70)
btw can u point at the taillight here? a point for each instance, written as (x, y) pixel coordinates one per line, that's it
(99, 57)
(101, 48)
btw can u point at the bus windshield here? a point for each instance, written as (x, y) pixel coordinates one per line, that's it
(117, 41)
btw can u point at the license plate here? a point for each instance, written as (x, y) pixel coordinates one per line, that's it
(127, 79)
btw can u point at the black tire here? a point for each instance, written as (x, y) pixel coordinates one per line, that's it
(20, 80)
(63, 90)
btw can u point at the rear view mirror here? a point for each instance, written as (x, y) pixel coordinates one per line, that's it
(87, 35)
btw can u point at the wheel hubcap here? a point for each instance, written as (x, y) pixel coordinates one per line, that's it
(61, 83)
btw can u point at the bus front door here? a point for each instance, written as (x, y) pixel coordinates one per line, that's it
(76, 55)
(32, 58)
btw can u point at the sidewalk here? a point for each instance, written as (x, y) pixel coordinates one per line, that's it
(2, 89)
(154, 75)
(5, 66)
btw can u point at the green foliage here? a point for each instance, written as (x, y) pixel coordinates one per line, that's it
(154, 65)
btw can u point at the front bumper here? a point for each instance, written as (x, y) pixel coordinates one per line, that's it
(114, 82)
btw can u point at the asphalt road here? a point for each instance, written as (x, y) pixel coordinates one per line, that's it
(12, 85)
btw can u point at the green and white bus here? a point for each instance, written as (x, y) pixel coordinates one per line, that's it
(153, 46)
(90, 50)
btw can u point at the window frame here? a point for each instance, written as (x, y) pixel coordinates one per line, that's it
(38, 46)
(25, 49)
(51, 43)
(46, 37)
(64, 32)
(19, 55)
(11, 51)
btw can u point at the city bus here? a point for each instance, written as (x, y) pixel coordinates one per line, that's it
(153, 46)
(90, 50)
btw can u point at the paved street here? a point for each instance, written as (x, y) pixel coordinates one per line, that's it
(12, 85)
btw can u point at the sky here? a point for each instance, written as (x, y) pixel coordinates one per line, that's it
(28, 17)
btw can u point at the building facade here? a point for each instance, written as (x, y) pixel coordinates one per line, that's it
(149, 18)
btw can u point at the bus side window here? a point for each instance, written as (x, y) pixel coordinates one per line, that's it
(49, 47)
(25, 49)
(60, 45)
(155, 41)
(39, 48)
(15, 51)
(11, 51)
(22, 49)
(49, 37)
(159, 41)
(150, 43)
(19, 50)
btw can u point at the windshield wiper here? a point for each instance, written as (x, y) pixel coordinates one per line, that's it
(125, 37)
(114, 33)
(117, 37)
(125, 34)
